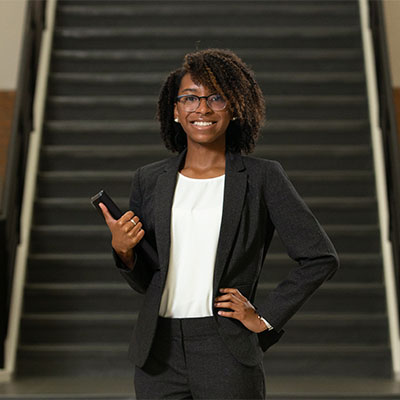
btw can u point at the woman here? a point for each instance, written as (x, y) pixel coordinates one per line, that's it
(210, 214)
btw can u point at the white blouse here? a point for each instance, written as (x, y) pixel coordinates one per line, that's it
(195, 225)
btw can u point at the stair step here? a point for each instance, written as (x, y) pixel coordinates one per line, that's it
(149, 83)
(109, 360)
(80, 238)
(153, 60)
(260, 14)
(239, 36)
(99, 267)
(119, 297)
(123, 157)
(114, 328)
(109, 60)
(145, 132)
(117, 183)
(328, 210)
(131, 107)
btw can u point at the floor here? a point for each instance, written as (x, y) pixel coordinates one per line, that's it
(277, 387)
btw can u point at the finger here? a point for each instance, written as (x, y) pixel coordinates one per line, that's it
(227, 304)
(126, 217)
(134, 230)
(129, 226)
(229, 297)
(107, 216)
(229, 314)
(139, 237)
(235, 291)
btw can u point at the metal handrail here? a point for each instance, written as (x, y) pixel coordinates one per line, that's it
(388, 127)
(12, 193)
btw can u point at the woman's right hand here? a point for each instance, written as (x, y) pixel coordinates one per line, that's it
(125, 234)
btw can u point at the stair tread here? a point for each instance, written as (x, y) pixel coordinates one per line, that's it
(84, 174)
(69, 126)
(242, 31)
(124, 287)
(362, 257)
(139, 99)
(364, 228)
(184, 9)
(101, 316)
(167, 54)
(156, 148)
(157, 77)
(302, 349)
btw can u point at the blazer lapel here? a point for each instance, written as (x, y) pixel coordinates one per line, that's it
(164, 193)
(234, 195)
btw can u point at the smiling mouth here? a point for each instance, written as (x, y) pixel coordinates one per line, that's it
(203, 123)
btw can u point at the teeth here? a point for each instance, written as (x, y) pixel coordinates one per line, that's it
(202, 123)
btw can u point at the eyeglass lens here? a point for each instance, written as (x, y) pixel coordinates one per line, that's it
(192, 102)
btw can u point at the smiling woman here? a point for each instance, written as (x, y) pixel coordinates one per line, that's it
(210, 214)
(219, 72)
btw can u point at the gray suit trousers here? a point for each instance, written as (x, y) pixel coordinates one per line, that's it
(189, 360)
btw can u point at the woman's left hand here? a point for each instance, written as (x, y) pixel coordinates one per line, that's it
(243, 310)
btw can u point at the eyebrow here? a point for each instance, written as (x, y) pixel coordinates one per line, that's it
(190, 90)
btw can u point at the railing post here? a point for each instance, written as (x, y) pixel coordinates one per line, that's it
(12, 193)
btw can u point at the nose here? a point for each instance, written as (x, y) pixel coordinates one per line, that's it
(203, 107)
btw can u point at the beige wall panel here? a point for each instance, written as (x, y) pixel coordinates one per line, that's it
(12, 13)
(392, 17)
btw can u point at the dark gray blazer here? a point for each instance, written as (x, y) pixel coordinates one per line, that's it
(258, 198)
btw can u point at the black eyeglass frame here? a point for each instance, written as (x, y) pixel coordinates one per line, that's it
(202, 97)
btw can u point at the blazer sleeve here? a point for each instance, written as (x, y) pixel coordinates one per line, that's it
(305, 241)
(140, 277)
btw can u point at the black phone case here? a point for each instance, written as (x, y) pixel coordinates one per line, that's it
(143, 246)
(103, 197)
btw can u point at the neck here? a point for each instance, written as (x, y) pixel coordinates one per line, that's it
(202, 158)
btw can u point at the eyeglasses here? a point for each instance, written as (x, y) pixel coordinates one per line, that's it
(191, 102)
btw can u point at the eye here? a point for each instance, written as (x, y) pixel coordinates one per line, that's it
(189, 99)
(216, 98)
(217, 102)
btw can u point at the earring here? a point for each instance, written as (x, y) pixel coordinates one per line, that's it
(234, 119)
(176, 120)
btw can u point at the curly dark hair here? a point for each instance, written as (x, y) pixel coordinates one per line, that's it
(222, 71)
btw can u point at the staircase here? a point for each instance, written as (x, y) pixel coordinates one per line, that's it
(108, 61)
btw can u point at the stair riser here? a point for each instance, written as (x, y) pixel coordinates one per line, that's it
(90, 160)
(120, 332)
(115, 111)
(269, 136)
(77, 241)
(127, 300)
(261, 17)
(60, 214)
(272, 64)
(90, 271)
(120, 187)
(276, 362)
(347, 5)
(59, 86)
(203, 41)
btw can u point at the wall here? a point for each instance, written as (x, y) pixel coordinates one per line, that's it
(12, 14)
(392, 19)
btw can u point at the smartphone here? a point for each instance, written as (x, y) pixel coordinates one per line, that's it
(143, 246)
(103, 197)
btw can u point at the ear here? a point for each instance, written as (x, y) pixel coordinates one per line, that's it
(175, 111)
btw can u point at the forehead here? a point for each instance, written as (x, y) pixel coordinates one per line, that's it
(189, 86)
